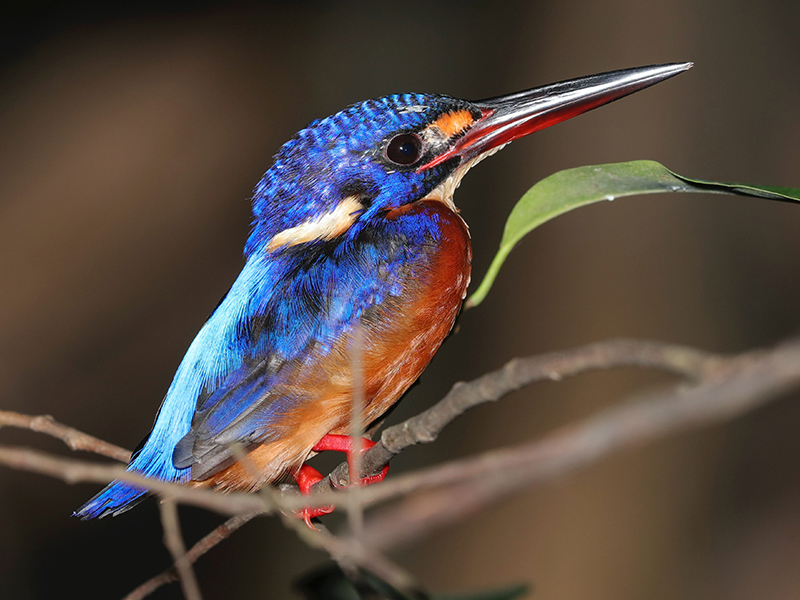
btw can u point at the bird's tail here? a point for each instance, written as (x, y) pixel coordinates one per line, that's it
(147, 460)
(153, 457)
(116, 498)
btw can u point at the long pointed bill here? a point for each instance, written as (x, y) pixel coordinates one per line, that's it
(507, 118)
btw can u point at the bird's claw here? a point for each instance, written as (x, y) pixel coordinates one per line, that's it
(370, 479)
(306, 477)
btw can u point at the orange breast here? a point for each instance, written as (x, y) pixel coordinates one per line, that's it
(399, 339)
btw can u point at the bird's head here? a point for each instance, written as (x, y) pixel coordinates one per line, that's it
(339, 174)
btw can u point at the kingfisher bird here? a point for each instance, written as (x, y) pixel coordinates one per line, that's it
(354, 236)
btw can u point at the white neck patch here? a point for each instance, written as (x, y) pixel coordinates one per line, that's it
(322, 228)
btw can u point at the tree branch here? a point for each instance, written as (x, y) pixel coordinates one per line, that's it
(76, 440)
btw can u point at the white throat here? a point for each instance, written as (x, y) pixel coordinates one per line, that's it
(444, 191)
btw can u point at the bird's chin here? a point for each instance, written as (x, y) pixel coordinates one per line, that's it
(444, 191)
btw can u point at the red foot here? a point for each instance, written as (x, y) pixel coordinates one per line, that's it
(307, 476)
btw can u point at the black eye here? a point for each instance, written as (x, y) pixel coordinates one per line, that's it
(404, 149)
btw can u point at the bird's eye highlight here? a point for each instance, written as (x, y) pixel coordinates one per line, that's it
(404, 149)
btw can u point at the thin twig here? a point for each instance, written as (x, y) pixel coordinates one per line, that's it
(74, 439)
(219, 534)
(173, 540)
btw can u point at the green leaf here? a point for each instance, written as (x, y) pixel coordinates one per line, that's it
(566, 190)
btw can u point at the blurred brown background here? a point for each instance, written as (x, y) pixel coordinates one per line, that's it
(131, 137)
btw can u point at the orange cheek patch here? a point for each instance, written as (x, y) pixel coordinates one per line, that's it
(453, 123)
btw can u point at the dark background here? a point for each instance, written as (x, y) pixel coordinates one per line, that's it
(131, 137)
